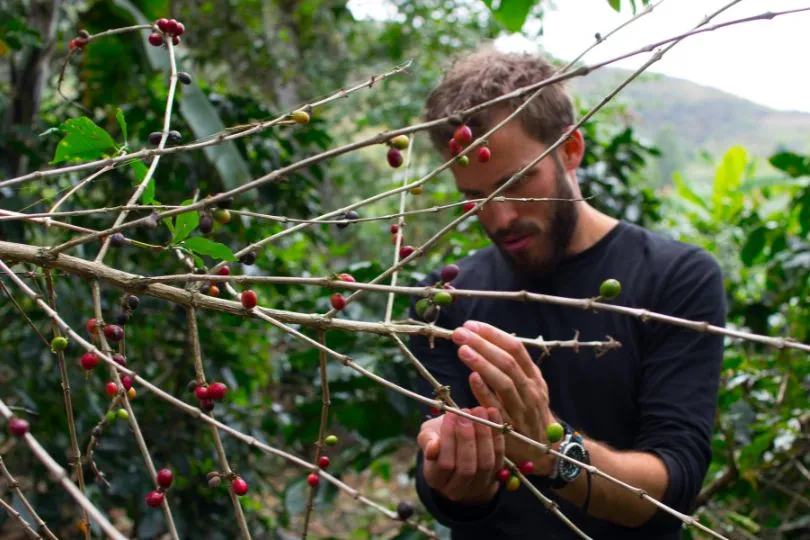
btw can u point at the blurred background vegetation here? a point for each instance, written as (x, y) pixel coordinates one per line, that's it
(741, 193)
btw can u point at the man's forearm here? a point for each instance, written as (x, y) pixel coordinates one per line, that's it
(611, 502)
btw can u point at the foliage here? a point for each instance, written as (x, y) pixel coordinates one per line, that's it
(757, 227)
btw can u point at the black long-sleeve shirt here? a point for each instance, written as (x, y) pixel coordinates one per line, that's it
(657, 393)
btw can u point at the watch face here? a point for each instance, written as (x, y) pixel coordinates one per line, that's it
(568, 470)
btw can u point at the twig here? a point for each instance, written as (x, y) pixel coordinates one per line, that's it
(213, 140)
(13, 484)
(133, 420)
(74, 189)
(15, 216)
(383, 137)
(24, 314)
(16, 515)
(186, 408)
(76, 453)
(135, 284)
(8, 214)
(322, 429)
(59, 474)
(400, 230)
(194, 337)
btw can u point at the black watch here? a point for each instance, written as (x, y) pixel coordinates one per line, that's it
(564, 472)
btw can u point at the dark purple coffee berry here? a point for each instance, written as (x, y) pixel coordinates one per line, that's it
(431, 314)
(155, 39)
(207, 405)
(118, 239)
(174, 136)
(351, 214)
(449, 273)
(404, 510)
(206, 224)
(183, 77)
(122, 319)
(119, 359)
(154, 137)
(133, 301)
(248, 258)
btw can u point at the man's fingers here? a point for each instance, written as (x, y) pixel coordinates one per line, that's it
(447, 442)
(485, 451)
(466, 462)
(495, 371)
(482, 392)
(508, 343)
(428, 441)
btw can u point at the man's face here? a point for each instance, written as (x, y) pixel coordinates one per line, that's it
(533, 235)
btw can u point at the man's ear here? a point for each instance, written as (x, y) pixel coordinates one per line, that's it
(572, 150)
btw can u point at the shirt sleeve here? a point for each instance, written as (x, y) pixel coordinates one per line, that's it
(679, 380)
(442, 362)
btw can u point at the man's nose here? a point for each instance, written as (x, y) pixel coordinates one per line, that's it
(500, 215)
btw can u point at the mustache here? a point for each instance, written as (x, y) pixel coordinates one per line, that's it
(516, 231)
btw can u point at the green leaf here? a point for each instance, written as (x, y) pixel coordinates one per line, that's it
(750, 454)
(617, 5)
(84, 141)
(804, 212)
(744, 521)
(204, 246)
(754, 245)
(184, 224)
(793, 164)
(512, 14)
(727, 179)
(140, 170)
(119, 115)
(686, 192)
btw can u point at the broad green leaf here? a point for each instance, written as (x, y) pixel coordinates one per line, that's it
(804, 213)
(754, 245)
(617, 5)
(204, 246)
(728, 178)
(184, 224)
(792, 164)
(119, 115)
(750, 454)
(686, 192)
(511, 14)
(83, 141)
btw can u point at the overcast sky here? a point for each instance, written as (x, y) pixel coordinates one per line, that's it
(764, 61)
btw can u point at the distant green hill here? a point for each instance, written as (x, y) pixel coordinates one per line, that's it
(686, 119)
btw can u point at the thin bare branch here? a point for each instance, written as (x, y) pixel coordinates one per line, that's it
(59, 474)
(13, 484)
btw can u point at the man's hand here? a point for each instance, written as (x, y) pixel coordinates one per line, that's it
(462, 456)
(501, 363)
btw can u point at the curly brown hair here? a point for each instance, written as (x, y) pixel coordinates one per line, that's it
(485, 74)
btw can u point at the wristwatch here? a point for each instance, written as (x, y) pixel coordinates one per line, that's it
(564, 472)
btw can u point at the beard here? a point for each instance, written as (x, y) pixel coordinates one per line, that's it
(548, 245)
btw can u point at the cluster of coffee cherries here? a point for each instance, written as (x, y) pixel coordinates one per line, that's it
(164, 478)
(167, 28)
(462, 137)
(239, 485)
(554, 432)
(323, 461)
(207, 394)
(80, 41)
(337, 300)
(428, 308)
(397, 144)
(220, 214)
(404, 250)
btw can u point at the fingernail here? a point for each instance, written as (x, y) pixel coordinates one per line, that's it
(472, 325)
(461, 335)
(466, 353)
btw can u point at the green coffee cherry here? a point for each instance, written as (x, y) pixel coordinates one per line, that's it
(331, 440)
(610, 288)
(554, 432)
(421, 306)
(59, 343)
(443, 298)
